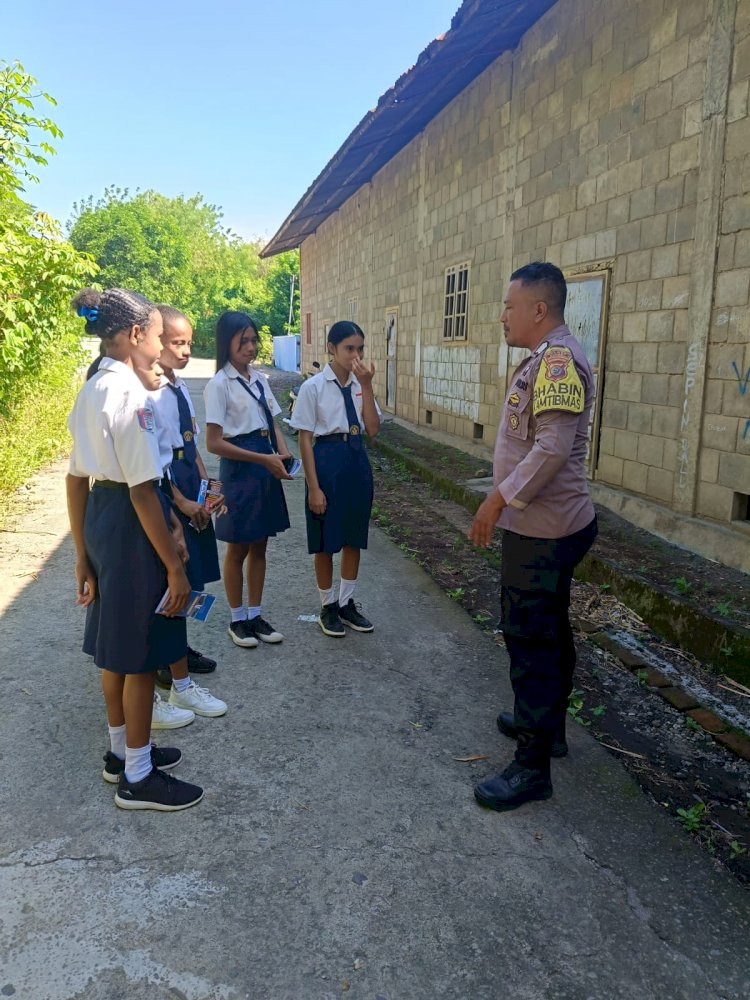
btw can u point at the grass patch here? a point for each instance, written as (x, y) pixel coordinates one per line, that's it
(34, 432)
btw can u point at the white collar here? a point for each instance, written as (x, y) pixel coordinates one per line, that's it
(330, 375)
(231, 372)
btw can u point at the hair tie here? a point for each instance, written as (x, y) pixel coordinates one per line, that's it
(91, 313)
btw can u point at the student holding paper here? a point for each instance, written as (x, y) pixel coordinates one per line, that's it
(240, 429)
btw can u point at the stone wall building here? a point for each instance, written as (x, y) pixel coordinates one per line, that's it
(611, 137)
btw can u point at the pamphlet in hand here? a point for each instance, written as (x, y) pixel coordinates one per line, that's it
(197, 607)
(292, 466)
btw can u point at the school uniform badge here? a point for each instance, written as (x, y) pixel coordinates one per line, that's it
(187, 437)
(514, 399)
(146, 419)
(558, 385)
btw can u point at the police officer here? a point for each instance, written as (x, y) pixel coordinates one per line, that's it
(541, 502)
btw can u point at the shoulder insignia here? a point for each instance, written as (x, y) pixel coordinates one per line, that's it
(558, 385)
(514, 399)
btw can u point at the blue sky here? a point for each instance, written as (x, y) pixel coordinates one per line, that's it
(243, 102)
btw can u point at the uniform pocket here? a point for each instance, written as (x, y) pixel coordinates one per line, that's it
(517, 414)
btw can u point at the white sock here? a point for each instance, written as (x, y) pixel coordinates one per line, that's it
(181, 684)
(239, 614)
(346, 591)
(117, 740)
(137, 763)
(253, 613)
(326, 596)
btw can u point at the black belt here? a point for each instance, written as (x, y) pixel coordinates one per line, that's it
(250, 434)
(109, 484)
(333, 437)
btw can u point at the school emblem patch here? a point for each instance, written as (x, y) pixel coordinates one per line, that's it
(187, 437)
(354, 429)
(558, 385)
(514, 399)
(146, 419)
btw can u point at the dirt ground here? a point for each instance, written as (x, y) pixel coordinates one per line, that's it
(705, 787)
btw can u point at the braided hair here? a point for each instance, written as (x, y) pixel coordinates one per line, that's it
(107, 313)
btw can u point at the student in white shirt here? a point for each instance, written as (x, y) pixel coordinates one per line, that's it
(331, 412)
(125, 554)
(240, 429)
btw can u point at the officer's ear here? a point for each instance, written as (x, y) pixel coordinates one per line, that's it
(541, 311)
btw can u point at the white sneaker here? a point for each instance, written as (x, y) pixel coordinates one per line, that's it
(167, 716)
(198, 700)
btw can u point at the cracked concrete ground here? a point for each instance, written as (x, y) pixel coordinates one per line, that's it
(338, 850)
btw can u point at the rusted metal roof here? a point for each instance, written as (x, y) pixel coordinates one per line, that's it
(480, 32)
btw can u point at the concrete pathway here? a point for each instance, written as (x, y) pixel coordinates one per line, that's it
(338, 851)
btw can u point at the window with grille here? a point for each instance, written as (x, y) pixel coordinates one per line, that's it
(353, 308)
(456, 303)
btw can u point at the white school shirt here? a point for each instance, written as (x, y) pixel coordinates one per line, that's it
(168, 439)
(232, 407)
(320, 406)
(113, 428)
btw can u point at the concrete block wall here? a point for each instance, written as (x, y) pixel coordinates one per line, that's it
(587, 146)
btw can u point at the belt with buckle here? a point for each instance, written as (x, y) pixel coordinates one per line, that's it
(178, 454)
(331, 437)
(109, 484)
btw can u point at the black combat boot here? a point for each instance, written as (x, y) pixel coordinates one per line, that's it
(507, 726)
(525, 779)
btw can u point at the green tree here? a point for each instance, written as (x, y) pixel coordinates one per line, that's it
(39, 273)
(176, 250)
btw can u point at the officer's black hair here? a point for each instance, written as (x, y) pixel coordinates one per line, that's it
(342, 329)
(550, 278)
(117, 309)
(228, 326)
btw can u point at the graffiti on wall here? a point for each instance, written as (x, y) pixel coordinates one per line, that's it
(742, 384)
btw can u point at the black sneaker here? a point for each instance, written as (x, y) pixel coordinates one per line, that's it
(241, 635)
(516, 785)
(198, 663)
(351, 615)
(157, 791)
(163, 677)
(162, 758)
(507, 726)
(330, 622)
(260, 628)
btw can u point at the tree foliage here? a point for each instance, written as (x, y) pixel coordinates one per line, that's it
(39, 271)
(176, 251)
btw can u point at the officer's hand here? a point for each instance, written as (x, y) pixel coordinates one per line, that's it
(485, 519)
(316, 501)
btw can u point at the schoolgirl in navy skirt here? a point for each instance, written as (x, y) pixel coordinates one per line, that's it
(240, 429)
(125, 554)
(332, 411)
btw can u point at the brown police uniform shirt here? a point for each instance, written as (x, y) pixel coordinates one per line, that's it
(540, 452)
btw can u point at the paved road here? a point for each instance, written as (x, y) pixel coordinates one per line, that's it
(338, 851)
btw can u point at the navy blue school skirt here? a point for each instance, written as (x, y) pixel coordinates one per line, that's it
(203, 565)
(255, 500)
(122, 632)
(345, 476)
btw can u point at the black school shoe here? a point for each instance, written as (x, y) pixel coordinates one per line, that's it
(261, 629)
(506, 725)
(198, 663)
(516, 785)
(241, 635)
(163, 758)
(157, 791)
(351, 615)
(330, 622)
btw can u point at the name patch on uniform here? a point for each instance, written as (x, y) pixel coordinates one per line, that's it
(514, 399)
(558, 385)
(146, 419)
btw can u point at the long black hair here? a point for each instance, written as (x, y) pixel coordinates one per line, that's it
(228, 326)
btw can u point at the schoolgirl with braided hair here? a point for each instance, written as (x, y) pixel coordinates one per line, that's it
(125, 554)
